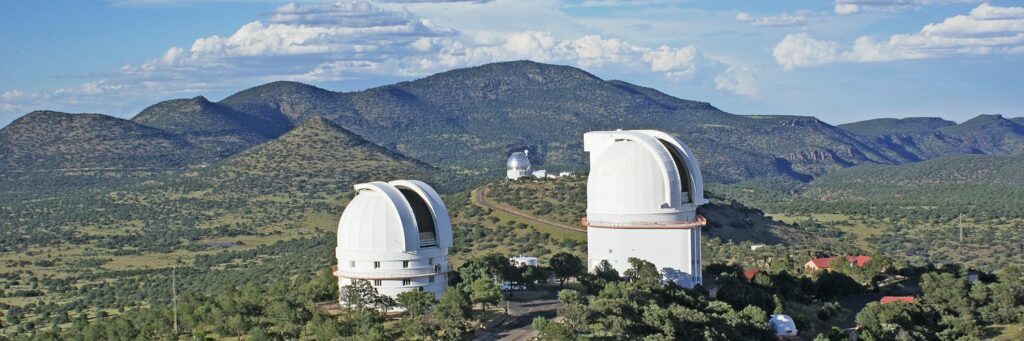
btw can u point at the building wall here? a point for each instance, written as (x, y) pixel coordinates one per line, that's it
(513, 174)
(668, 249)
(392, 270)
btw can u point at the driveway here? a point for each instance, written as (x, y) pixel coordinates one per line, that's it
(523, 307)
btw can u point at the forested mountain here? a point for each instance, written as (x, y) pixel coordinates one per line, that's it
(55, 142)
(885, 126)
(922, 138)
(990, 134)
(316, 157)
(212, 127)
(467, 119)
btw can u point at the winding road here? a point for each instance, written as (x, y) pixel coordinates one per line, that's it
(479, 197)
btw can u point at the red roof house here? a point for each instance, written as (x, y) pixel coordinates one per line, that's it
(818, 263)
(823, 263)
(890, 299)
(859, 260)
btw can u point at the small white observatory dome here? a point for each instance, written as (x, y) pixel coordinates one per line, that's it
(518, 165)
(395, 235)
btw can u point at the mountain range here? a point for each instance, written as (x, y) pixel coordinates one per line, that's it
(467, 120)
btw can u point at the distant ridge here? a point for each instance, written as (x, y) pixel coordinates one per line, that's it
(882, 126)
(211, 126)
(467, 119)
(50, 141)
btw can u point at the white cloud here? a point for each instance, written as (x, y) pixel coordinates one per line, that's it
(847, 7)
(800, 50)
(985, 30)
(360, 40)
(782, 20)
(739, 80)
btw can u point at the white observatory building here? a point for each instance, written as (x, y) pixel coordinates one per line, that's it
(642, 196)
(395, 235)
(518, 165)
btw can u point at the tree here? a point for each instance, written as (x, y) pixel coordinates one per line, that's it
(897, 320)
(548, 330)
(566, 265)
(451, 313)
(574, 311)
(324, 327)
(414, 324)
(415, 302)
(360, 294)
(946, 292)
(484, 291)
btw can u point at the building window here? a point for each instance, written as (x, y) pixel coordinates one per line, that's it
(405, 264)
(430, 279)
(406, 281)
(376, 265)
(430, 261)
(376, 282)
(351, 263)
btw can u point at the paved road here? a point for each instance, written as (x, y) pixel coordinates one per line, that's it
(479, 196)
(523, 308)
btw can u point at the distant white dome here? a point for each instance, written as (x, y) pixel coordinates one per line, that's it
(396, 234)
(518, 161)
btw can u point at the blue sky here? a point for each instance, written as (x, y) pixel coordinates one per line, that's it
(839, 60)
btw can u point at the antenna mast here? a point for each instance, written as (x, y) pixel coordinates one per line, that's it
(174, 296)
(961, 224)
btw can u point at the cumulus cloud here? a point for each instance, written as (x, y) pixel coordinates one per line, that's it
(847, 7)
(739, 80)
(985, 30)
(782, 20)
(358, 40)
(800, 49)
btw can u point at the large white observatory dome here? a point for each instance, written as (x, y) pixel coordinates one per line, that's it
(395, 235)
(641, 177)
(642, 197)
(518, 165)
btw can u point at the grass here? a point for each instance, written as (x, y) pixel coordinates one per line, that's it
(859, 230)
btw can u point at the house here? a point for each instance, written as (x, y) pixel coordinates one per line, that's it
(890, 299)
(858, 260)
(818, 263)
(823, 263)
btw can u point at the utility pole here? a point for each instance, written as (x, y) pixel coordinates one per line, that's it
(174, 296)
(961, 224)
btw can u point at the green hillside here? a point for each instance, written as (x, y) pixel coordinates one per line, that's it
(912, 211)
(468, 118)
(991, 134)
(885, 126)
(317, 157)
(59, 143)
(210, 126)
(923, 138)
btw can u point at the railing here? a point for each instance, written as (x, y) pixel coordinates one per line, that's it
(393, 273)
(700, 221)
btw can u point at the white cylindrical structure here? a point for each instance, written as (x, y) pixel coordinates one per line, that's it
(395, 235)
(642, 196)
